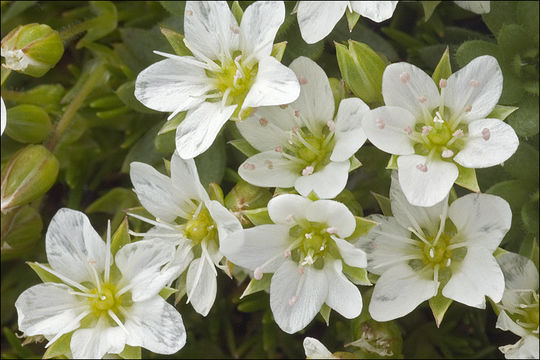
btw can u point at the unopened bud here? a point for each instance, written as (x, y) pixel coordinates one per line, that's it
(28, 124)
(32, 49)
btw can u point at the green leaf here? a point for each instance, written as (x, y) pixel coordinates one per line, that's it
(44, 275)
(429, 8)
(257, 285)
(501, 112)
(439, 304)
(352, 18)
(144, 150)
(529, 215)
(166, 292)
(525, 120)
(59, 347)
(474, 48)
(325, 313)
(278, 50)
(237, 11)
(256, 302)
(258, 216)
(357, 275)
(177, 41)
(120, 237)
(126, 93)
(211, 163)
(174, 7)
(363, 226)
(467, 178)
(443, 69)
(172, 125)
(384, 203)
(104, 23)
(244, 147)
(524, 163)
(113, 201)
(131, 352)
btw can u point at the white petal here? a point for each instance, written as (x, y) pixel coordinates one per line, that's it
(267, 128)
(417, 217)
(351, 255)
(425, 188)
(477, 276)
(48, 309)
(275, 84)
(314, 349)
(349, 133)
(479, 85)
(316, 102)
(170, 85)
(409, 87)
(269, 169)
(155, 325)
(375, 10)
(156, 192)
(210, 28)
(225, 221)
(201, 285)
(519, 272)
(501, 143)
(477, 7)
(3, 113)
(343, 295)
(481, 219)
(317, 18)
(197, 132)
(525, 348)
(288, 208)
(142, 266)
(183, 256)
(399, 291)
(386, 128)
(257, 246)
(334, 214)
(326, 183)
(383, 245)
(72, 244)
(185, 178)
(94, 343)
(309, 291)
(504, 322)
(259, 26)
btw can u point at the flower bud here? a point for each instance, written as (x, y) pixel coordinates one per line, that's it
(28, 175)
(244, 197)
(28, 123)
(32, 49)
(21, 228)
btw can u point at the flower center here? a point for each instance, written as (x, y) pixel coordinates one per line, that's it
(311, 243)
(526, 314)
(107, 299)
(200, 226)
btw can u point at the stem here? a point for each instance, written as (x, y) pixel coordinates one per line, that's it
(76, 29)
(76, 104)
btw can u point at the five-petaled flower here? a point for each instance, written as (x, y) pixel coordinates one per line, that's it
(230, 72)
(105, 305)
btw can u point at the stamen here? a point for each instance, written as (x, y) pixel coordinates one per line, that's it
(278, 148)
(289, 218)
(408, 130)
(82, 294)
(69, 325)
(426, 130)
(96, 277)
(442, 83)
(108, 255)
(131, 232)
(331, 230)
(293, 300)
(331, 125)
(234, 29)
(380, 123)
(258, 273)
(308, 170)
(283, 106)
(422, 167)
(308, 235)
(117, 320)
(249, 166)
(64, 278)
(152, 222)
(468, 108)
(189, 12)
(419, 236)
(398, 259)
(404, 77)
(287, 254)
(297, 113)
(263, 121)
(447, 153)
(397, 237)
(486, 134)
(422, 99)
(436, 273)
(302, 80)
(458, 133)
(431, 253)
(456, 246)
(300, 270)
(448, 262)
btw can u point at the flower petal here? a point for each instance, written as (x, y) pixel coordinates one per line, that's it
(351, 255)
(259, 26)
(201, 285)
(199, 129)
(386, 127)
(3, 113)
(267, 128)
(343, 295)
(269, 169)
(425, 188)
(275, 84)
(210, 28)
(185, 178)
(171, 85)
(501, 143)
(156, 192)
(349, 133)
(504, 322)
(477, 276)
(95, 342)
(295, 299)
(155, 325)
(142, 265)
(525, 348)
(288, 208)
(326, 183)
(225, 221)
(314, 349)
(481, 219)
(257, 246)
(409, 87)
(334, 214)
(316, 19)
(478, 85)
(375, 10)
(477, 7)
(72, 243)
(399, 291)
(48, 309)
(519, 272)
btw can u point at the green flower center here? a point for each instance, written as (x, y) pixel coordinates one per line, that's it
(107, 298)
(312, 242)
(526, 314)
(201, 226)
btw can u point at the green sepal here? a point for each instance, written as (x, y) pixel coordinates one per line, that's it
(499, 252)
(338, 91)
(172, 124)
(278, 50)
(325, 313)
(429, 8)
(467, 178)
(258, 216)
(352, 19)
(121, 237)
(244, 147)
(257, 285)
(45, 276)
(443, 69)
(501, 112)
(216, 193)
(392, 162)
(59, 347)
(363, 226)
(237, 11)
(358, 276)
(355, 163)
(177, 41)
(166, 292)
(384, 203)
(131, 352)
(439, 304)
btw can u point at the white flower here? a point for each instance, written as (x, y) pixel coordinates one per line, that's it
(477, 7)
(231, 71)
(519, 306)
(302, 144)
(105, 305)
(307, 254)
(187, 217)
(420, 249)
(314, 349)
(317, 18)
(3, 116)
(432, 133)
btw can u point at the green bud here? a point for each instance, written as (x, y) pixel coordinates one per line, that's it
(29, 174)
(362, 69)
(28, 124)
(338, 90)
(32, 49)
(21, 228)
(244, 196)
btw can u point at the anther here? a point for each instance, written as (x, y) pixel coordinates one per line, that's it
(331, 125)
(408, 130)
(91, 261)
(458, 133)
(293, 300)
(269, 164)
(308, 170)
(448, 262)
(287, 254)
(278, 148)
(308, 235)
(289, 218)
(302, 80)
(263, 121)
(468, 108)
(426, 130)
(486, 134)
(234, 29)
(442, 83)
(300, 270)
(189, 12)
(249, 166)
(258, 273)
(474, 83)
(380, 123)
(447, 153)
(404, 77)
(422, 99)
(422, 167)
(331, 230)
(297, 113)
(283, 106)
(238, 74)
(431, 253)
(295, 129)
